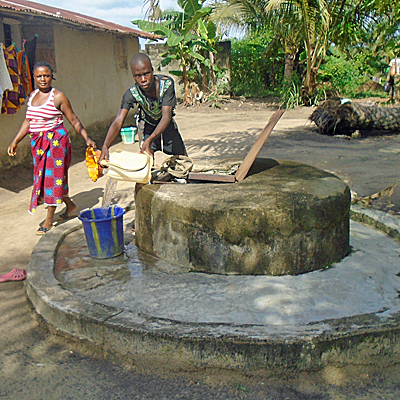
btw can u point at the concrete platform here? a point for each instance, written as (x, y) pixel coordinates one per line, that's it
(146, 309)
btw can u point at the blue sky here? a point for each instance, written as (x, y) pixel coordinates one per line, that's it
(117, 11)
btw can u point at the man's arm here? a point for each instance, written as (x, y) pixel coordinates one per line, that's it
(159, 129)
(112, 133)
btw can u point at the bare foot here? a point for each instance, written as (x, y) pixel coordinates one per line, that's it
(71, 209)
(69, 212)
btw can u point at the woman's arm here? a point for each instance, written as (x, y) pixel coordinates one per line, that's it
(18, 137)
(63, 104)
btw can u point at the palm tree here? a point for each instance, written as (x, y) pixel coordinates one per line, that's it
(294, 22)
(311, 24)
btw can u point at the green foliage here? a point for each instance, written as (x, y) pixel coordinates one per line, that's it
(178, 28)
(366, 32)
(215, 98)
(251, 69)
(370, 93)
(291, 95)
(345, 75)
(342, 73)
(191, 39)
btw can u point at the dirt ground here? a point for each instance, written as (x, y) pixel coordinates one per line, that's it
(36, 364)
(367, 164)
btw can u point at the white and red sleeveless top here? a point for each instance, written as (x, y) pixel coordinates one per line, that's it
(44, 117)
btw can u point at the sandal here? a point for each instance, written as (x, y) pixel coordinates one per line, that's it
(42, 230)
(15, 275)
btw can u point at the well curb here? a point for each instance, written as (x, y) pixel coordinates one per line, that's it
(359, 339)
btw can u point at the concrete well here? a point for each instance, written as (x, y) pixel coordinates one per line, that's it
(284, 218)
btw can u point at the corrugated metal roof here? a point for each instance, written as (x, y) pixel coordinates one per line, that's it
(70, 16)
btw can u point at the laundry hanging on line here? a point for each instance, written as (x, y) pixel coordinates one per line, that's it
(5, 80)
(18, 70)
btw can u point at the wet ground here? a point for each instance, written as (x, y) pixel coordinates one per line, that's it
(364, 282)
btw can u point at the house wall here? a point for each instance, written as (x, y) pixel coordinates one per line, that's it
(91, 69)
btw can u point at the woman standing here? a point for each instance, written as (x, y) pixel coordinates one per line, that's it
(50, 144)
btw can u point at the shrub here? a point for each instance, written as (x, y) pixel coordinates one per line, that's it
(252, 73)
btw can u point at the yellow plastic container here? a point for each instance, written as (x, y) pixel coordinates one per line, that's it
(94, 169)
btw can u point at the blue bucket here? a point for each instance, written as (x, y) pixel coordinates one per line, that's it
(104, 233)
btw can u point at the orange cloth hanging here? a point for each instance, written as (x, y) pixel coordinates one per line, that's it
(12, 99)
(24, 72)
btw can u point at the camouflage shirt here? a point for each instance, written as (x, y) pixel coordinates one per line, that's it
(150, 109)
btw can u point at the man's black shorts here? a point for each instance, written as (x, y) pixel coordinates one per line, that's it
(172, 139)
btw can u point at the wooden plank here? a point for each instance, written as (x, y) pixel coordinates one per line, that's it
(198, 176)
(244, 168)
(161, 182)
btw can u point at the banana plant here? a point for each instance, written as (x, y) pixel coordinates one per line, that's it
(179, 28)
(208, 32)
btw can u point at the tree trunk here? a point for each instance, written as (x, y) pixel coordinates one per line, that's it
(204, 78)
(212, 72)
(332, 118)
(273, 76)
(309, 86)
(289, 66)
(188, 99)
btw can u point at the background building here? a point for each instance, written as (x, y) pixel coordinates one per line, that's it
(90, 58)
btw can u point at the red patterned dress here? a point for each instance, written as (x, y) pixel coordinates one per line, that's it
(51, 151)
